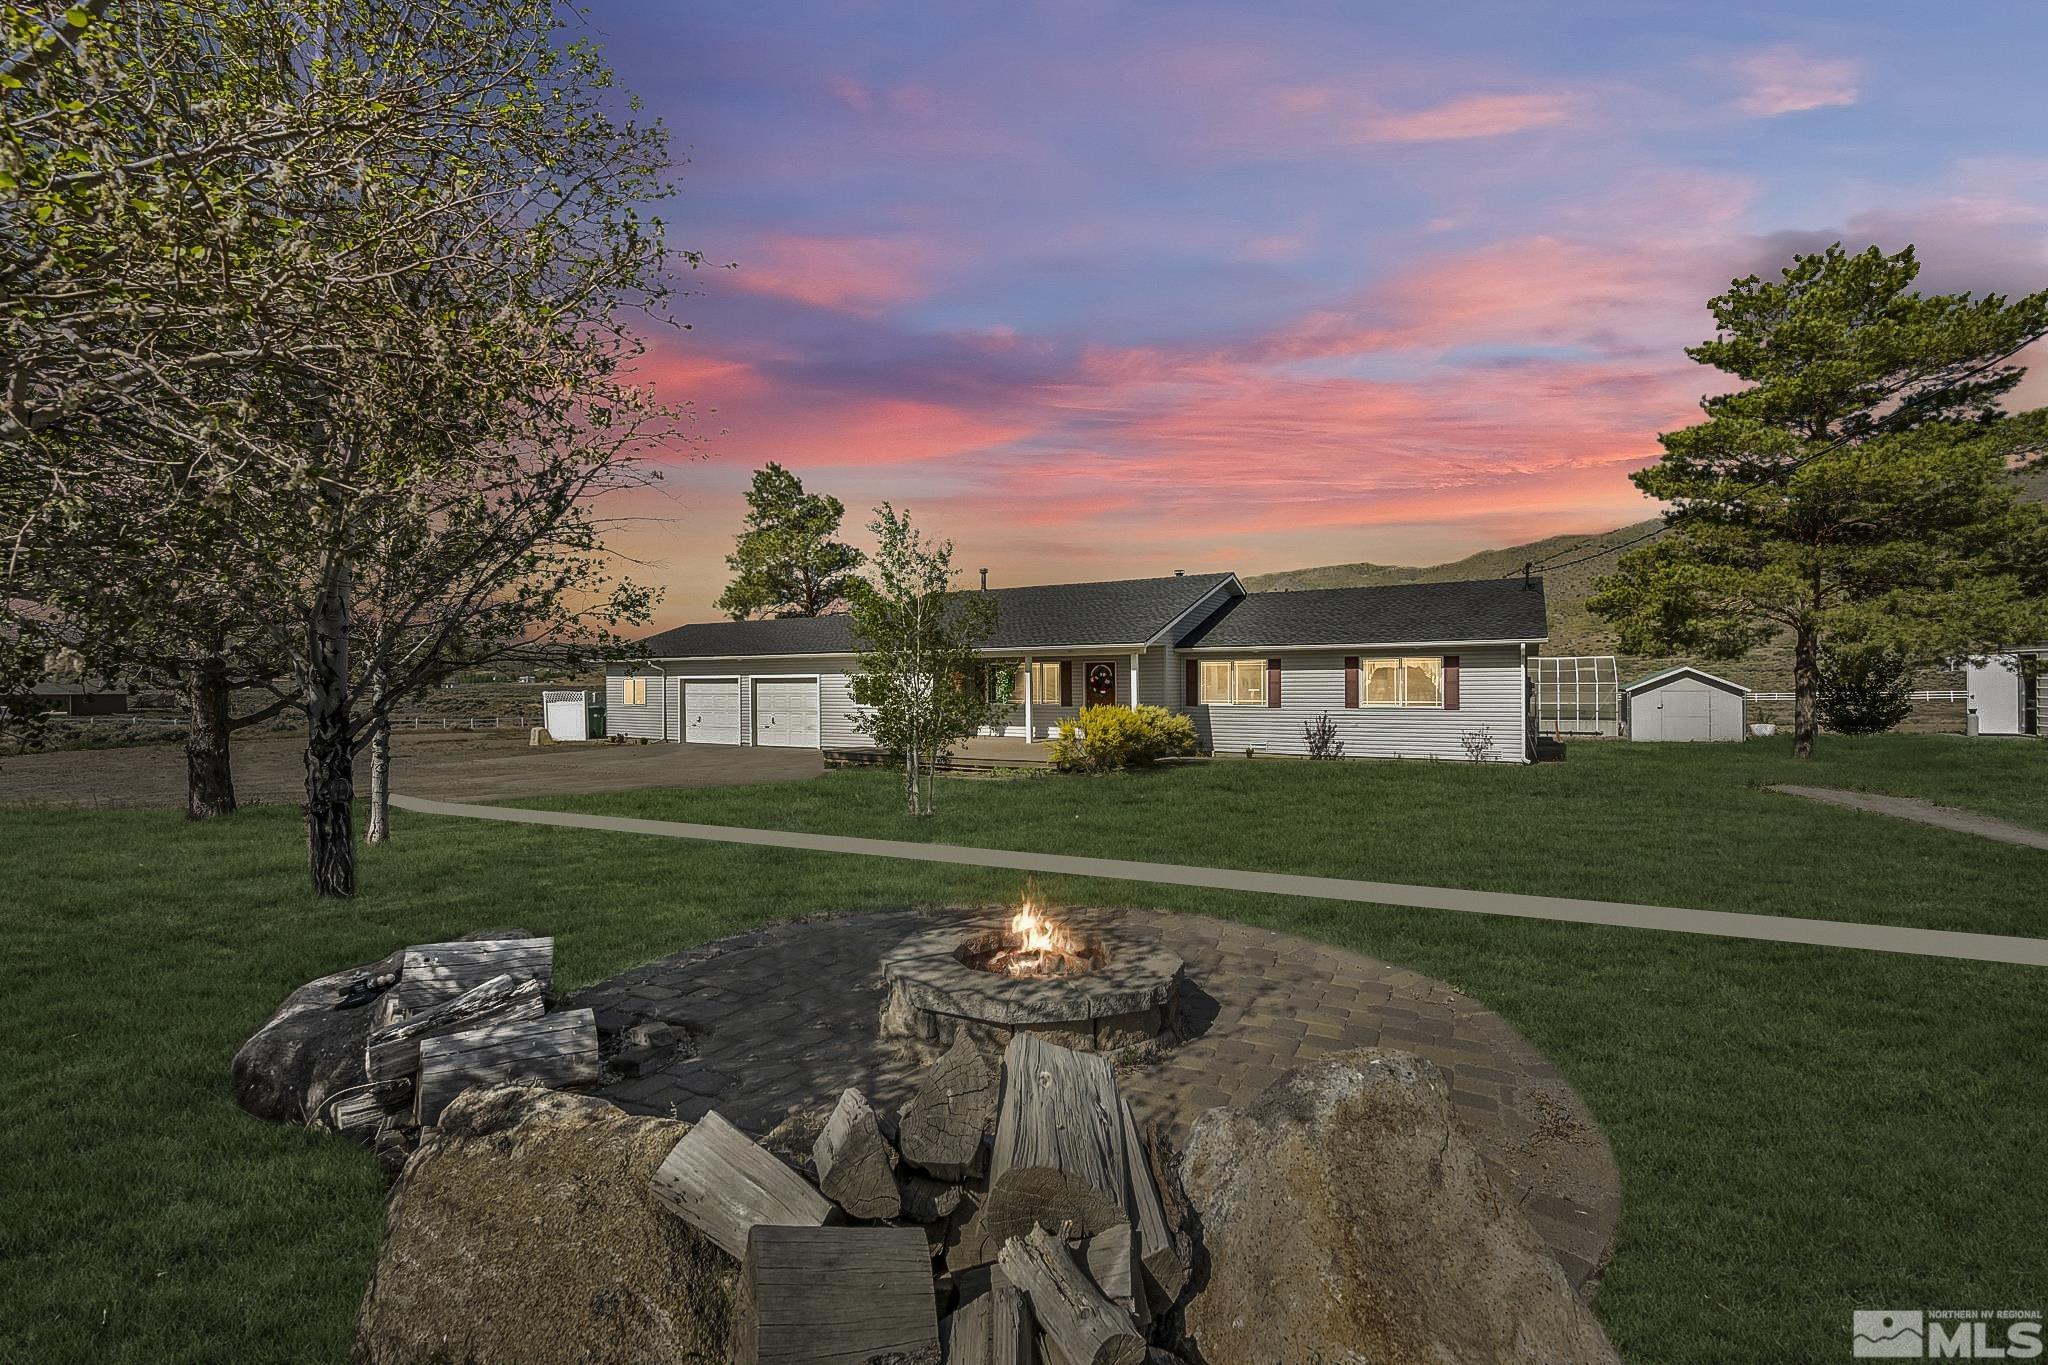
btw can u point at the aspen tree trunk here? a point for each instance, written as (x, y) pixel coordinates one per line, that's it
(330, 765)
(379, 830)
(209, 777)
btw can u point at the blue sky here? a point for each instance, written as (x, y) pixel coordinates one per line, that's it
(1103, 289)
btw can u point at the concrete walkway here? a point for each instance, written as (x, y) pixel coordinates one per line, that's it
(1923, 812)
(2031, 952)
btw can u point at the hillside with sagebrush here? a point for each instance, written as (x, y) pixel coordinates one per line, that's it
(1574, 563)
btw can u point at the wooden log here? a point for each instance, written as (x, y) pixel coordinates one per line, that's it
(992, 1329)
(1012, 1334)
(942, 1128)
(926, 1200)
(361, 1112)
(430, 973)
(1060, 1112)
(851, 1158)
(835, 1296)
(1080, 1326)
(1112, 1261)
(1029, 1197)
(724, 1185)
(1166, 1273)
(394, 1050)
(554, 1050)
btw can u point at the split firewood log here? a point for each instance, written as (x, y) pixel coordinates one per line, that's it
(1060, 1116)
(941, 1130)
(1166, 1273)
(554, 1050)
(431, 973)
(724, 1185)
(394, 1050)
(1080, 1325)
(851, 1158)
(835, 1294)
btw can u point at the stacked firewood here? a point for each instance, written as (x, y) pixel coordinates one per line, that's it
(460, 1015)
(1009, 1214)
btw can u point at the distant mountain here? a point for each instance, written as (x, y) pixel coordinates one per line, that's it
(1575, 562)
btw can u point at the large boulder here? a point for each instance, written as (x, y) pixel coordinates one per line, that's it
(524, 1230)
(1346, 1217)
(309, 1051)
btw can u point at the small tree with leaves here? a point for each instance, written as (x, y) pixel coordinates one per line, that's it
(1857, 489)
(786, 562)
(918, 677)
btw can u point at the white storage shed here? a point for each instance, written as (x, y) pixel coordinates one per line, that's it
(2005, 692)
(1685, 704)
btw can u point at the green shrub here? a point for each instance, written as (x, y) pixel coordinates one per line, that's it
(1864, 689)
(1104, 738)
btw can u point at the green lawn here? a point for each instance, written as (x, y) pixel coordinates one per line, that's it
(1800, 1131)
(1659, 824)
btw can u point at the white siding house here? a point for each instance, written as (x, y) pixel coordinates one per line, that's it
(1429, 670)
(2005, 692)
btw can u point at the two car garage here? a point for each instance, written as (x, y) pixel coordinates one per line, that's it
(782, 714)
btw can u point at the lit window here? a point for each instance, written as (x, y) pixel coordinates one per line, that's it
(1234, 682)
(634, 693)
(1044, 680)
(1401, 682)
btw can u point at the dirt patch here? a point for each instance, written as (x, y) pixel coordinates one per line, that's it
(486, 766)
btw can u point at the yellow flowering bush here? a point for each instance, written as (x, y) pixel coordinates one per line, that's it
(1104, 738)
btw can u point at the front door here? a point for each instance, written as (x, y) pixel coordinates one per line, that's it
(1101, 684)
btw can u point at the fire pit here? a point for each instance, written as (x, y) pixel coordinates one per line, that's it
(1092, 985)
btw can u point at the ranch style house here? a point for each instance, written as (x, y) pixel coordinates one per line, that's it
(1417, 670)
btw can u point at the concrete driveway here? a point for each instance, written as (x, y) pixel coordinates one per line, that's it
(454, 766)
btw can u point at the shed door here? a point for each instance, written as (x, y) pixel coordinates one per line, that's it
(1688, 712)
(786, 713)
(711, 712)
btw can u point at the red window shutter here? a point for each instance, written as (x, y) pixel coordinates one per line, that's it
(1272, 683)
(1194, 682)
(1066, 682)
(1450, 682)
(1351, 682)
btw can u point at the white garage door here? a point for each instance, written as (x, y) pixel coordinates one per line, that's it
(786, 713)
(711, 712)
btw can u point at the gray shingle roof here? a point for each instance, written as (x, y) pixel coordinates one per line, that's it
(1399, 613)
(1129, 611)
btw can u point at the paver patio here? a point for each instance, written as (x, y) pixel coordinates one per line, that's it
(785, 1017)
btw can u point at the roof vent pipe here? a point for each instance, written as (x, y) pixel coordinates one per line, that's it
(1180, 573)
(984, 580)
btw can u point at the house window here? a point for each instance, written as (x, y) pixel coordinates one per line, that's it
(1401, 682)
(634, 692)
(1045, 684)
(1234, 682)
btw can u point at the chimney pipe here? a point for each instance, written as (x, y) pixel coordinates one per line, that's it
(984, 580)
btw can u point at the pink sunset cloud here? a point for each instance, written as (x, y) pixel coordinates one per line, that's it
(865, 276)
(1473, 116)
(1788, 80)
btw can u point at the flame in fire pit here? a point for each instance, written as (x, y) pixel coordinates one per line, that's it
(1043, 946)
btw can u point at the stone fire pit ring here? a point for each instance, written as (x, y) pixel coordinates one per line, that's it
(1131, 996)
